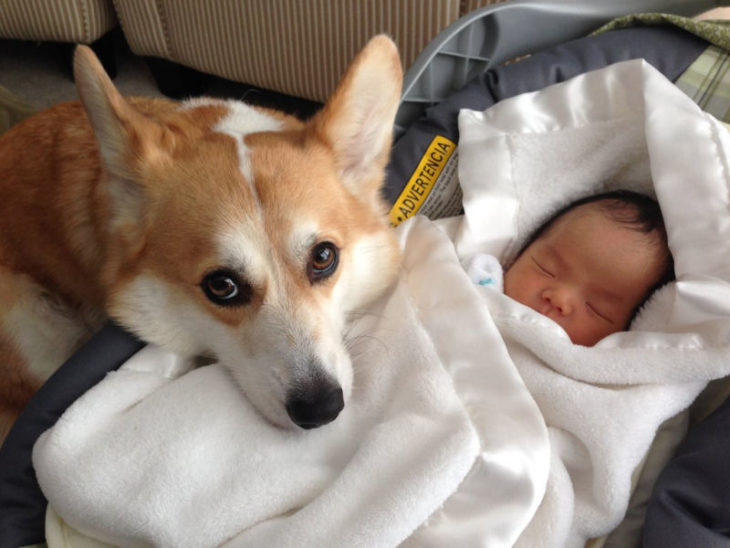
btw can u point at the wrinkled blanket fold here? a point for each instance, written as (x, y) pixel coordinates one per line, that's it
(474, 420)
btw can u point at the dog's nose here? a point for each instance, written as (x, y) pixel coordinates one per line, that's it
(315, 407)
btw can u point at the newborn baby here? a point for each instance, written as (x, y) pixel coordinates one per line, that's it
(591, 266)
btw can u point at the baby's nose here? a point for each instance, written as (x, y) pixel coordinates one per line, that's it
(559, 299)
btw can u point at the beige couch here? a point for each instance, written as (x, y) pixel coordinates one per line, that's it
(66, 21)
(76, 21)
(297, 47)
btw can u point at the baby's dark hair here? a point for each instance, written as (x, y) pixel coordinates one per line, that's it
(636, 211)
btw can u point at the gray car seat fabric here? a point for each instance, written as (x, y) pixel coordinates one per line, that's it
(690, 504)
(669, 49)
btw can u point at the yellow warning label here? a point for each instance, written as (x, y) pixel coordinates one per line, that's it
(423, 180)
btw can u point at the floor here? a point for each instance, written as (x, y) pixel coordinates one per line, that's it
(39, 74)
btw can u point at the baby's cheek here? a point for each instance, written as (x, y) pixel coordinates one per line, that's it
(590, 332)
(507, 281)
(512, 283)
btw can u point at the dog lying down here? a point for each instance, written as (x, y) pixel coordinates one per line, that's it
(207, 227)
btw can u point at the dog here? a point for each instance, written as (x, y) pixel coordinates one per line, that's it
(208, 227)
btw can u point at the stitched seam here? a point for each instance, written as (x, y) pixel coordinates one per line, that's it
(716, 140)
(165, 32)
(85, 22)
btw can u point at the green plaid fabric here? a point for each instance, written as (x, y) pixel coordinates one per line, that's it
(707, 82)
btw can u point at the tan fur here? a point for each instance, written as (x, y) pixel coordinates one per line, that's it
(124, 217)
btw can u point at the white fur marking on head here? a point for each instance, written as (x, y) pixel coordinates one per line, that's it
(241, 120)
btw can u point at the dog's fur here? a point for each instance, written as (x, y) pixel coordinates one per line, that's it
(148, 210)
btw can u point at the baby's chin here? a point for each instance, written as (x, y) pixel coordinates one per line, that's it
(590, 339)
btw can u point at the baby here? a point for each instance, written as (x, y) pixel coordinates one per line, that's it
(592, 265)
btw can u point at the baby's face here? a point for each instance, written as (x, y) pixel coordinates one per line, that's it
(587, 273)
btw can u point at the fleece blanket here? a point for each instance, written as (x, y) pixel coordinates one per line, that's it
(153, 457)
(475, 421)
(622, 127)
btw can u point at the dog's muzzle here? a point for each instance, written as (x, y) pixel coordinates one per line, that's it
(315, 405)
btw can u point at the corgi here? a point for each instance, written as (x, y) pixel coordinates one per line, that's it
(208, 227)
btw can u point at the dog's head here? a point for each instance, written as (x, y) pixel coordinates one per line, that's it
(243, 233)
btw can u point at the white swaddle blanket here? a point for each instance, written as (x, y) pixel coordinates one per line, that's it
(442, 443)
(622, 127)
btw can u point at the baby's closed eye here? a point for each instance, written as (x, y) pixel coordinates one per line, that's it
(542, 268)
(602, 315)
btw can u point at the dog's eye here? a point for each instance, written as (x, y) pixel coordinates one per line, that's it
(323, 261)
(224, 288)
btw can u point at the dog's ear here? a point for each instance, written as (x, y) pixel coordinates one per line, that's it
(124, 134)
(126, 138)
(357, 120)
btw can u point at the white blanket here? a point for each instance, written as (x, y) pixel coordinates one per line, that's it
(442, 443)
(622, 127)
(147, 459)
